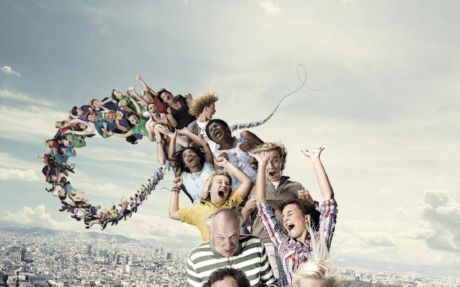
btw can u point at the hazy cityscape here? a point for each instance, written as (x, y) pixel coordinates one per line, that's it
(43, 257)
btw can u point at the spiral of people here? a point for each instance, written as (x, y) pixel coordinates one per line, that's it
(258, 227)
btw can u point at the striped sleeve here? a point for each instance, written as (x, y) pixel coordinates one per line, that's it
(328, 218)
(271, 225)
(193, 278)
(266, 273)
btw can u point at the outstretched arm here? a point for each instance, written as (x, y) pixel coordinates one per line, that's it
(174, 202)
(321, 176)
(145, 85)
(245, 181)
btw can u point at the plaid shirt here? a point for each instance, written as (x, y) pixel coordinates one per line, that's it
(292, 253)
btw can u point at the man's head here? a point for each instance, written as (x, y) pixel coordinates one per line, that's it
(218, 131)
(224, 226)
(227, 277)
(204, 104)
(276, 159)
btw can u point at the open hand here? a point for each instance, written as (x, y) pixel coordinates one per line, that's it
(313, 153)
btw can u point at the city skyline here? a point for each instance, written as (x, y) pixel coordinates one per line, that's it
(381, 96)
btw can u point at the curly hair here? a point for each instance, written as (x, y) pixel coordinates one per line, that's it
(199, 103)
(180, 161)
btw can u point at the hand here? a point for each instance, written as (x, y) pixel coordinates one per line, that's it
(138, 77)
(305, 196)
(220, 161)
(224, 155)
(131, 88)
(261, 157)
(183, 132)
(177, 182)
(250, 204)
(189, 96)
(313, 153)
(246, 146)
(168, 110)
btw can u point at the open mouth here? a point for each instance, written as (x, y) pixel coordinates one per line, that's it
(289, 227)
(221, 193)
(271, 173)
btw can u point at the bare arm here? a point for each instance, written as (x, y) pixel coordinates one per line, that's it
(321, 176)
(145, 85)
(261, 184)
(209, 157)
(171, 120)
(245, 181)
(171, 154)
(174, 202)
(251, 142)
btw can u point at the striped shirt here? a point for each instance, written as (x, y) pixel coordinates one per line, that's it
(250, 258)
(292, 253)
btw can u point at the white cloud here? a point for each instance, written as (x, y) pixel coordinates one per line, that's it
(28, 122)
(7, 70)
(7, 94)
(13, 169)
(37, 216)
(442, 215)
(270, 6)
(12, 174)
(118, 155)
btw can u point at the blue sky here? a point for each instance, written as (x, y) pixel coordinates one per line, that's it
(382, 97)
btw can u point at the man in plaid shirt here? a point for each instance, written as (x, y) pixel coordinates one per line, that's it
(293, 243)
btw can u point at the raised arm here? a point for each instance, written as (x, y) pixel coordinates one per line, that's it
(174, 202)
(321, 176)
(261, 184)
(245, 181)
(144, 84)
(172, 153)
(171, 120)
(251, 141)
(209, 157)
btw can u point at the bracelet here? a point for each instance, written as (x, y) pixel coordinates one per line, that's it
(175, 189)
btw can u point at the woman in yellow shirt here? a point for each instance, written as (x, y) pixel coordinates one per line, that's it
(217, 194)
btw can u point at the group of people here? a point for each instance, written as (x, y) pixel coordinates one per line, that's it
(131, 116)
(251, 217)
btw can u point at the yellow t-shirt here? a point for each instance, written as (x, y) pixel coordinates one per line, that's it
(197, 214)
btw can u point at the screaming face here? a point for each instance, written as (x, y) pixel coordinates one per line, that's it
(274, 166)
(190, 158)
(294, 221)
(217, 132)
(220, 189)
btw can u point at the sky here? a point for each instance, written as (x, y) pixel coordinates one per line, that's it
(381, 95)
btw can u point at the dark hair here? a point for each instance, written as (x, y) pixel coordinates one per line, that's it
(217, 121)
(180, 161)
(73, 111)
(220, 274)
(306, 210)
(163, 91)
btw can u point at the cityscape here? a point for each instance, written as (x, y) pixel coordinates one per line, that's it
(32, 256)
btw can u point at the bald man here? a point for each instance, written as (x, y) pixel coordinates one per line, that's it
(228, 249)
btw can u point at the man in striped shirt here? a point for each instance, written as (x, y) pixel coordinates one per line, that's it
(228, 249)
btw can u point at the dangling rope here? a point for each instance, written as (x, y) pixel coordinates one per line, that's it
(303, 79)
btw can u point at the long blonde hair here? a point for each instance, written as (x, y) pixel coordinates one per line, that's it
(317, 267)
